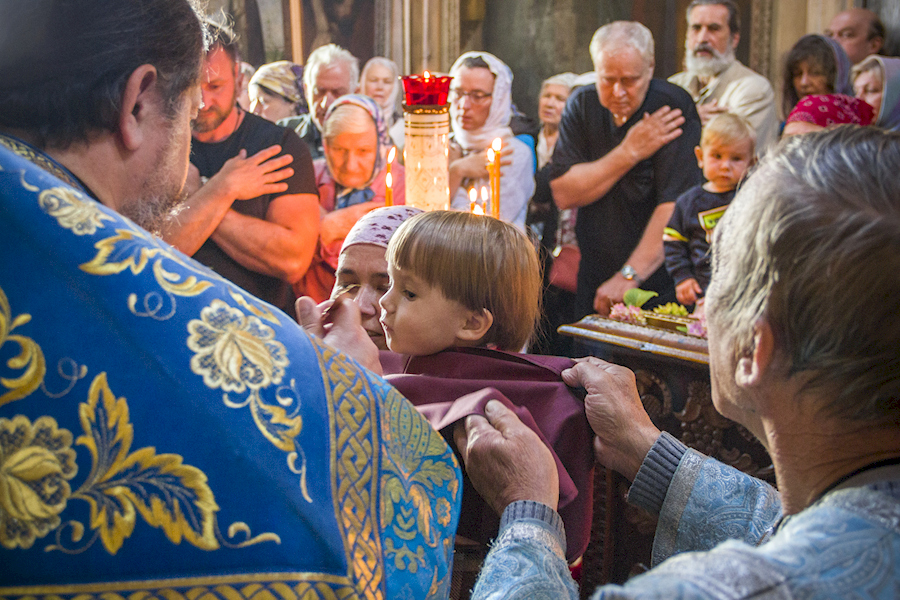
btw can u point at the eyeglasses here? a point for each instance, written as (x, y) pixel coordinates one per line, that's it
(476, 96)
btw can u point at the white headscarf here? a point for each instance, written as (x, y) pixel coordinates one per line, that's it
(497, 124)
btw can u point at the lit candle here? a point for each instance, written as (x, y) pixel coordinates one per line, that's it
(484, 198)
(473, 198)
(494, 153)
(389, 179)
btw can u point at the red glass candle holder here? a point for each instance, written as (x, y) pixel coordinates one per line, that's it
(426, 91)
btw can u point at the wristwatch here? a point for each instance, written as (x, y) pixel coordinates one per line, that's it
(629, 273)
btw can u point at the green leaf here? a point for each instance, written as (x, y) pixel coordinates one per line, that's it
(638, 297)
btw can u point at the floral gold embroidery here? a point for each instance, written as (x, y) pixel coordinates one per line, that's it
(30, 360)
(235, 352)
(416, 459)
(238, 353)
(165, 492)
(36, 462)
(72, 211)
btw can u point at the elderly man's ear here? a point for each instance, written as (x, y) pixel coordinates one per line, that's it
(750, 371)
(139, 100)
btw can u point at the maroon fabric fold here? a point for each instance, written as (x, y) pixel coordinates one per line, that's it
(453, 384)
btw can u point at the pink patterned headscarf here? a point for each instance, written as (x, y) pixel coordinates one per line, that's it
(377, 227)
(832, 109)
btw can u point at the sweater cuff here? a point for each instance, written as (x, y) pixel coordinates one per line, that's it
(648, 491)
(529, 509)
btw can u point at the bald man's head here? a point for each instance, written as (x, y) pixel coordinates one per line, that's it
(859, 31)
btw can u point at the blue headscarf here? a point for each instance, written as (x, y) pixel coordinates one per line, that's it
(349, 197)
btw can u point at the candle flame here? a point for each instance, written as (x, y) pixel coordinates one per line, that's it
(484, 193)
(392, 154)
(490, 155)
(497, 144)
(473, 195)
(388, 180)
(477, 210)
(427, 74)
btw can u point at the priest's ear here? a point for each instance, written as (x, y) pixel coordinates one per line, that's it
(140, 98)
(477, 324)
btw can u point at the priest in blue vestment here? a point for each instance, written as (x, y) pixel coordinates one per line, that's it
(163, 433)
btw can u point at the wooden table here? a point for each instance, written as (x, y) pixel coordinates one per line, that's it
(672, 372)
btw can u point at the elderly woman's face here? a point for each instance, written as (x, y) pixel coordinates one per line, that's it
(362, 274)
(551, 103)
(869, 88)
(351, 156)
(379, 84)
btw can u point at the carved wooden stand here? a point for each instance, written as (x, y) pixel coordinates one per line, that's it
(672, 372)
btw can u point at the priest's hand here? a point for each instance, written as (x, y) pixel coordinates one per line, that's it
(506, 460)
(338, 323)
(615, 412)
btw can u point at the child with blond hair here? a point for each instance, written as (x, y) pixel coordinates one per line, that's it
(725, 154)
(464, 300)
(459, 279)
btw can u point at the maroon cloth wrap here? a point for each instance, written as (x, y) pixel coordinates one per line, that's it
(453, 384)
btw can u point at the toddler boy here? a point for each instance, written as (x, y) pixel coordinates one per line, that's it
(725, 153)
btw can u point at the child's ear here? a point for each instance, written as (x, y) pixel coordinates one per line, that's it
(699, 152)
(476, 326)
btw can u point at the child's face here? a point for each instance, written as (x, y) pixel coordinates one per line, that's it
(724, 164)
(417, 318)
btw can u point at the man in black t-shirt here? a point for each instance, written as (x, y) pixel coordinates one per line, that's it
(625, 152)
(253, 212)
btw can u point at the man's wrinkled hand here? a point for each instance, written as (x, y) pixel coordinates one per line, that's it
(611, 291)
(653, 132)
(615, 412)
(506, 460)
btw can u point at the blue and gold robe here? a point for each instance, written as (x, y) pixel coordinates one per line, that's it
(163, 434)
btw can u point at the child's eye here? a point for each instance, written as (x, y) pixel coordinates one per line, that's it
(408, 294)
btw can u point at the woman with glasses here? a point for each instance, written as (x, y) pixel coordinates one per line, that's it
(480, 111)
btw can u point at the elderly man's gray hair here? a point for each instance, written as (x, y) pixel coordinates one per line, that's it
(619, 34)
(811, 246)
(326, 55)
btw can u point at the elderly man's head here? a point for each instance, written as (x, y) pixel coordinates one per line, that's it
(622, 52)
(810, 249)
(143, 91)
(714, 30)
(330, 72)
(859, 31)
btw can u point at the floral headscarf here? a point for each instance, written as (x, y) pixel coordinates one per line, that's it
(378, 226)
(285, 79)
(825, 110)
(351, 197)
(497, 124)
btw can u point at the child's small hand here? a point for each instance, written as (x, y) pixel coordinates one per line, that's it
(688, 291)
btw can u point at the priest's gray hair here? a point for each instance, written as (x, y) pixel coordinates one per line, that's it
(811, 246)
(618, 34)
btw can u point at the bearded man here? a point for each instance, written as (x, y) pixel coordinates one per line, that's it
(253, 216)
(714, 77)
